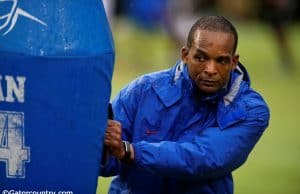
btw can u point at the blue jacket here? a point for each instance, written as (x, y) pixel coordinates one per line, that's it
(184, 141)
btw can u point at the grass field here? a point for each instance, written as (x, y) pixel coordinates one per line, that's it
(274, 165)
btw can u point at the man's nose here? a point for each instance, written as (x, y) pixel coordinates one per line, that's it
(211, 68)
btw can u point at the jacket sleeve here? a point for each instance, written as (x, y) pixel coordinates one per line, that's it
(109, 166)
(213, 153)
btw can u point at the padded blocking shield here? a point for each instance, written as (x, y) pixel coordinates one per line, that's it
(56, 64)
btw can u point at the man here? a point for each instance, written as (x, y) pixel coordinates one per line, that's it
(185, 129)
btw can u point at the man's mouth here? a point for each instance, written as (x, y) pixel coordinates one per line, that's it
(209, 83)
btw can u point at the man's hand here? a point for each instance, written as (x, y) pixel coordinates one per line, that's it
(113, 139)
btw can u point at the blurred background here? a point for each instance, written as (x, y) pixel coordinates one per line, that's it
(148, 35)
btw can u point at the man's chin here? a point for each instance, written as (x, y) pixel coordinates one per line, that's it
(208, 89)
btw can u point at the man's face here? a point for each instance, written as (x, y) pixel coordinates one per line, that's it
(210, 59)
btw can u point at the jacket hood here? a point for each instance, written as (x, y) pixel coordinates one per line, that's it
(238, 77)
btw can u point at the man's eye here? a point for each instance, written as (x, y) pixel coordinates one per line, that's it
(200, 58)
(224, 61)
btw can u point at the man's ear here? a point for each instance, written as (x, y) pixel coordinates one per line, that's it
(184, 54)
(235, 61)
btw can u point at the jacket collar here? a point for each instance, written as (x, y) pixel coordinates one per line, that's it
(170, 90)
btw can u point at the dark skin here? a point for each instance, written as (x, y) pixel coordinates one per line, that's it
(210, 60)
(113, 140)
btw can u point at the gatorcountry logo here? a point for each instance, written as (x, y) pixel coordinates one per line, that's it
(10, 19)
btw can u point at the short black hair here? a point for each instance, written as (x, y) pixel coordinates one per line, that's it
(215, 24)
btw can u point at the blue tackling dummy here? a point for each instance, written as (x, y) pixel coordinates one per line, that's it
(56, 64)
